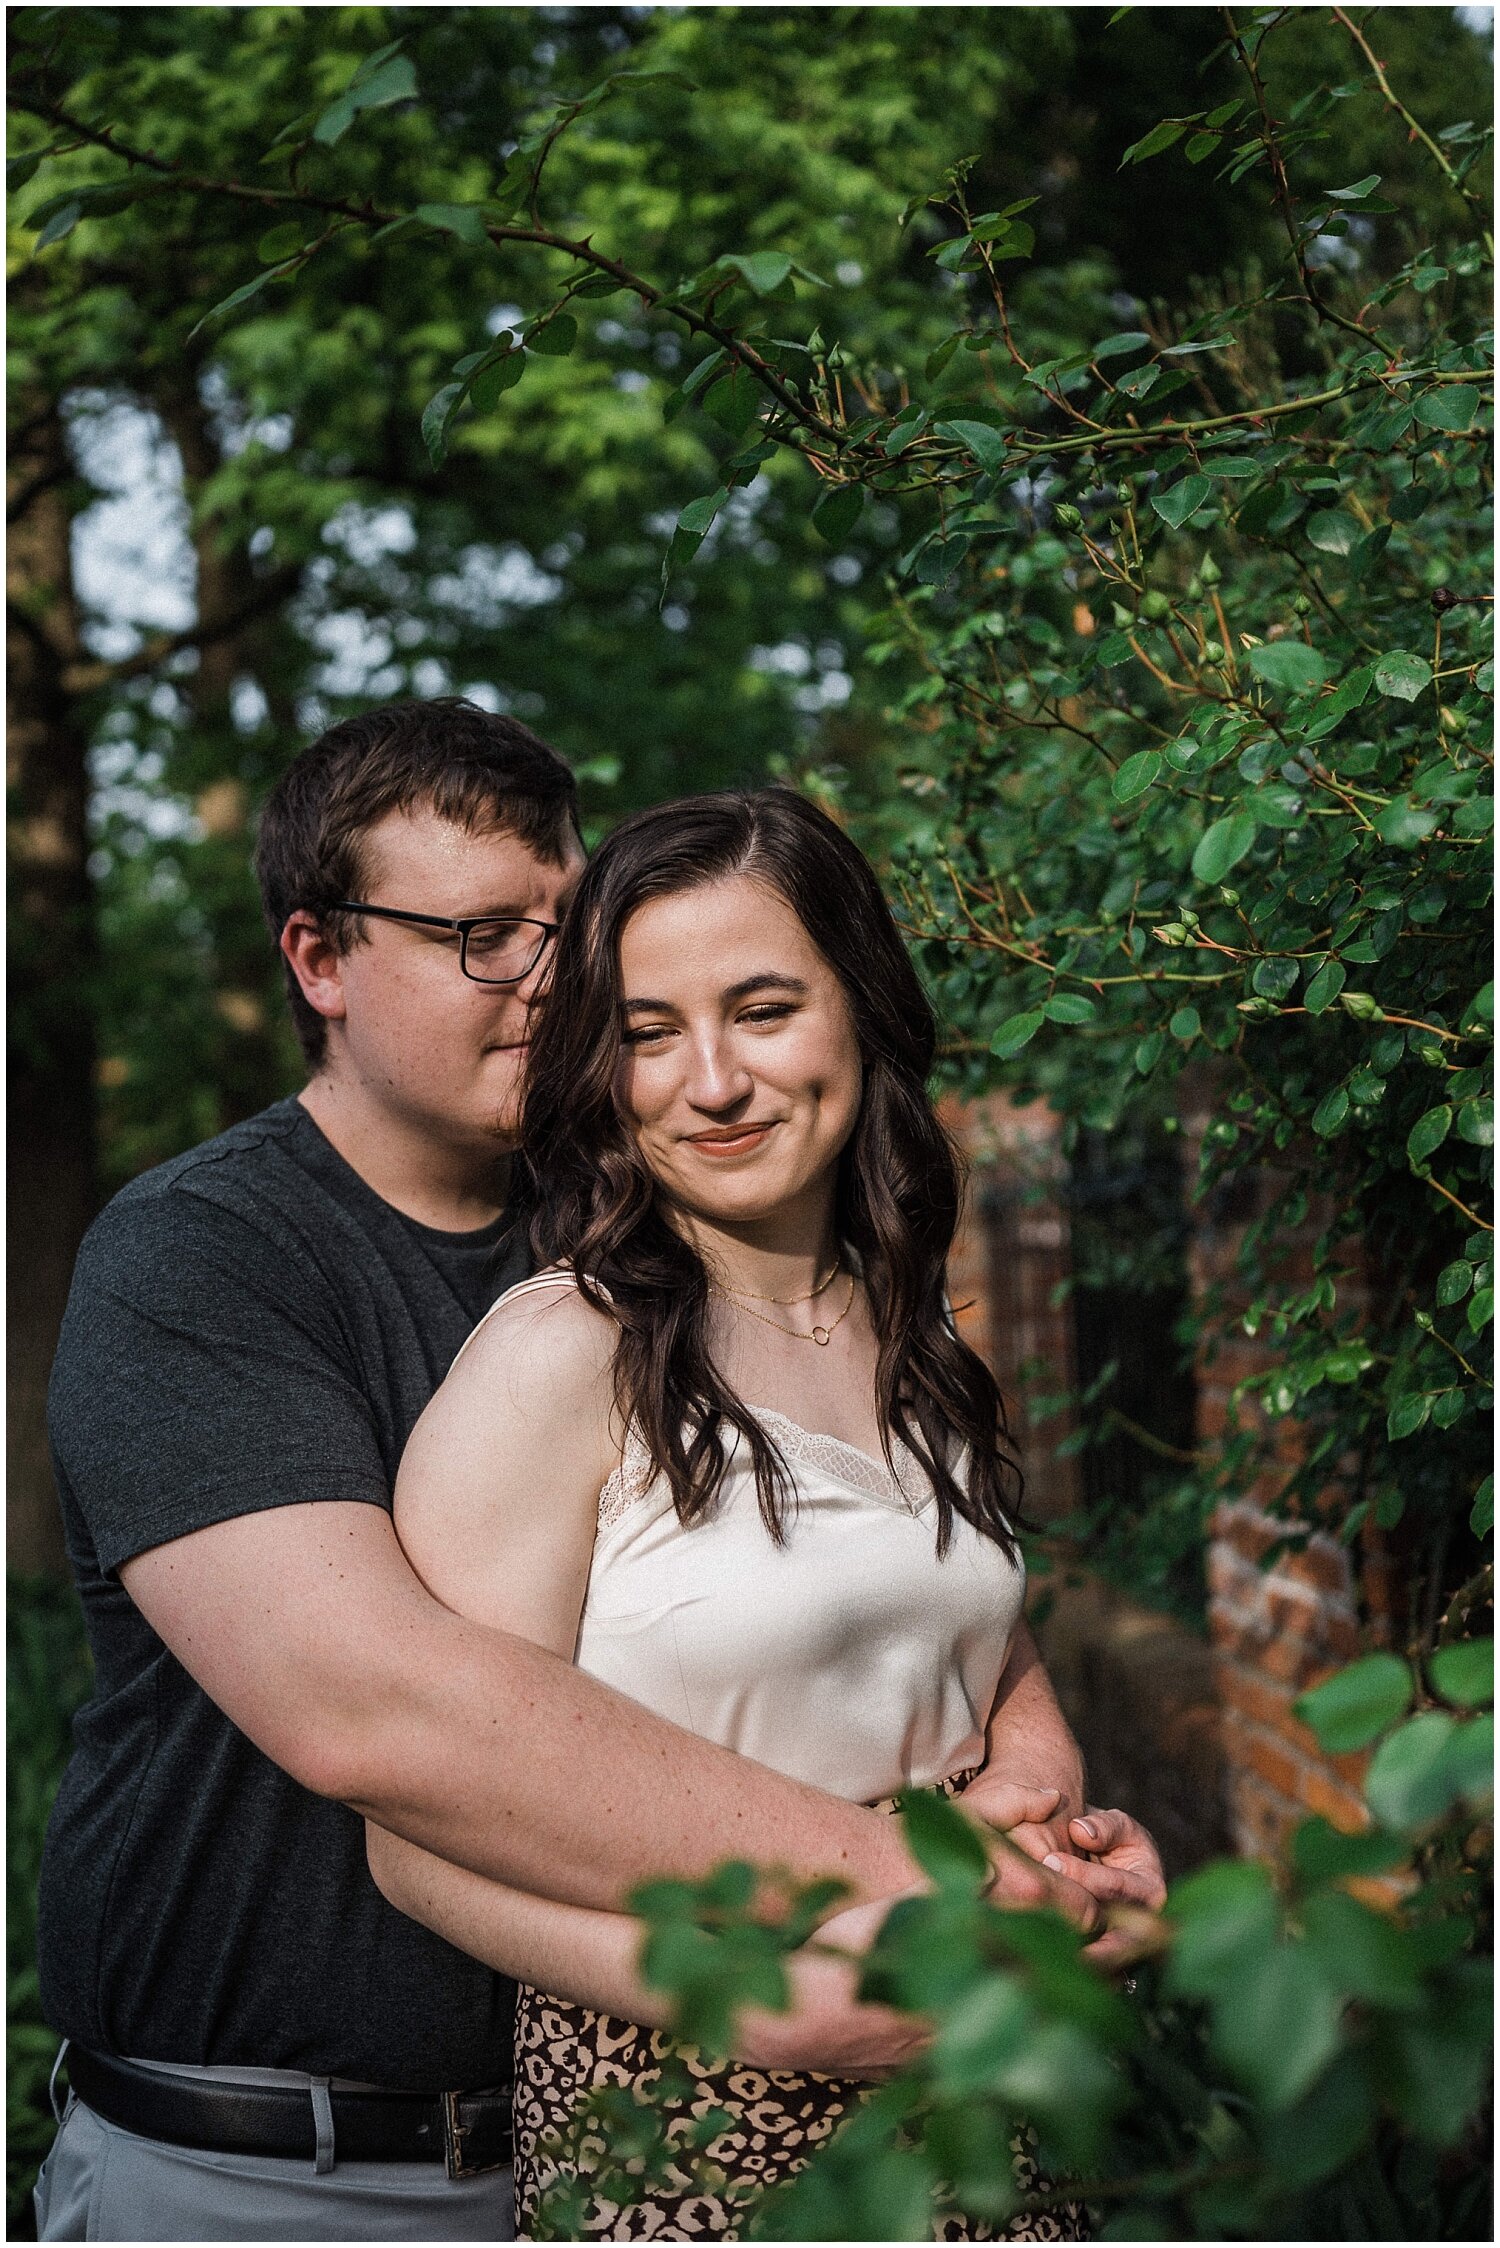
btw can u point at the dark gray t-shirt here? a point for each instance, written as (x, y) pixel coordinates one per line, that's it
(249, 1326)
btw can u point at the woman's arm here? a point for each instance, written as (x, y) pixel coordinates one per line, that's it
(1028, 1740)
(592, 1957)
(496, 1498)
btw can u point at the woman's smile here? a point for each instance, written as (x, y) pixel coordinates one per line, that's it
(732, 1139)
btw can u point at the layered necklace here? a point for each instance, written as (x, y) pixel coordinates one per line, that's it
(822, 1336)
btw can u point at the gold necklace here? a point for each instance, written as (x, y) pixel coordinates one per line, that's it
(812, 1296)
(822, 1336)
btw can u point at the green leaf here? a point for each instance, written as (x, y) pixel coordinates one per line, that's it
(1360, 1953)
(241, 296)
(699, 513)
(280, 242)
(1407, 1415)
(494, 379)
(1451, 409)
(1274, 979)
(1410, 1782)
(1322, 1852)
(1136, 775)
(986, 2030)
(764, 271)
(1352, 1708)
(435, 421)
(1405, 824)
(1454, 1283)
(1069, 1007)
(1356, 193)
(986, 444)
(1182, 500)
(1013, 1035)
(1290, 665)
(463, 220)
(1482, 1512)
(63, 219)
(1428, 1133)
(943, 1842)
(837, 512)
(1185, 1025)
(555, 338)
(1331, 1113)
(1333, 532)
(1277, 2028)
(394, 80)
(1476, 1122)
(1325, 987)
(1119, 346)
(1465, 1673)
(1160, 137)
(1149, 1052)
(1402, 674)
(734, 401)
(1222, 846)
(1226, 1917)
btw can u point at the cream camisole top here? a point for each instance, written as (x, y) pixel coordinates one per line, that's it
(850, 1656)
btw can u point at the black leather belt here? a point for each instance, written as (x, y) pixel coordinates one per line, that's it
(468, 2132)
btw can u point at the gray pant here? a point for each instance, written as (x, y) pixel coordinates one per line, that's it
(102, 2183)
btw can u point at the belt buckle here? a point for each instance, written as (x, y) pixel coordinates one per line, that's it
(454, 2135)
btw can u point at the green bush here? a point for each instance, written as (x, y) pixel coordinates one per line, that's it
(48, 1674)
(1295, 2063)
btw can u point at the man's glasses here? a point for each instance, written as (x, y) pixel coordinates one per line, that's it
(490, 950)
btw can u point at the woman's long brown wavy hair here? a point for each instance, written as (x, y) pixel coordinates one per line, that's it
(596, 1205)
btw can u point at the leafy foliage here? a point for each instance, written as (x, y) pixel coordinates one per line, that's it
(47, 1678)
(1298, 2058)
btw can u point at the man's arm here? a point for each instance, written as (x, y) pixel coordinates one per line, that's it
(308, 1628)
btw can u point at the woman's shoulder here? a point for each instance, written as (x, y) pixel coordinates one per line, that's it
(545, 1326)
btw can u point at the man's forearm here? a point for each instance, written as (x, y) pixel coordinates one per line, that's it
(575, 1792)
(308, 1629)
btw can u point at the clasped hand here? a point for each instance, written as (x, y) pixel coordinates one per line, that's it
(1079, 1865)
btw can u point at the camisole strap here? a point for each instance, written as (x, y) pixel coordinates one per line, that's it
(562, 1277)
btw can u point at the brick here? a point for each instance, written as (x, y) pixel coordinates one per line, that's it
(1321, 1564)
(1283, 1772)
(1262, 1700)
(1340, 1805)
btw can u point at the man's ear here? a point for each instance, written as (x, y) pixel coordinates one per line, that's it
(316, 963)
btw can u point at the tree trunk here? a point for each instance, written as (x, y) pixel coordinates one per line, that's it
(50, 1159)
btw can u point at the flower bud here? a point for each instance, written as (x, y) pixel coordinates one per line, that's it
(1209, 571)
(1213, 651)
(1362, 1005)
(1301, 606)
(1069, 517)
(1156, 606)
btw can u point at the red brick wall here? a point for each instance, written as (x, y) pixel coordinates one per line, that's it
(1274, 1630)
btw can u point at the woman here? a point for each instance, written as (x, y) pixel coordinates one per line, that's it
(728, 1453)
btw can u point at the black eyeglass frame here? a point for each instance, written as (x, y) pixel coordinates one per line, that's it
(463, 930)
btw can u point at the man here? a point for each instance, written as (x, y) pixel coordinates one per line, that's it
(259, 2046)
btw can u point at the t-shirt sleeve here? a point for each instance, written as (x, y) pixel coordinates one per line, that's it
(200, 1375)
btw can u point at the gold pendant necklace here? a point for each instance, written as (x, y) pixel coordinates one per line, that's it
(822, 1336)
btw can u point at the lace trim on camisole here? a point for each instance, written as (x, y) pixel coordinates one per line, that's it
(828, 1455)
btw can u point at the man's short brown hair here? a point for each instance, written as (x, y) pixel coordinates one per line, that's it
(449, 756)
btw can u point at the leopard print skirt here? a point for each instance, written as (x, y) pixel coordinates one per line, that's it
(739, 2130)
